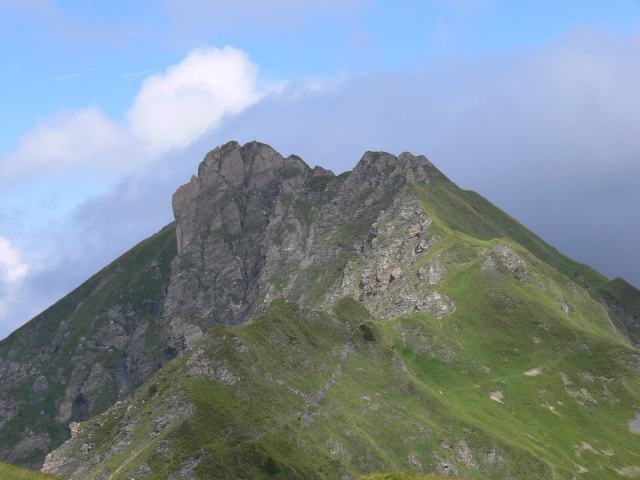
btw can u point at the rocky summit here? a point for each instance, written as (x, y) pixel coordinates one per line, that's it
(292, 323)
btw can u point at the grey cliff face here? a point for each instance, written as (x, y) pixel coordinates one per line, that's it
(254, 225)
(225, 220)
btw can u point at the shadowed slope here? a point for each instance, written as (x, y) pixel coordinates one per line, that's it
(89, 349)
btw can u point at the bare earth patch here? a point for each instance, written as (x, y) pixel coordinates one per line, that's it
(584, 446)
(634, 424)
(551, 408)
(629, 471)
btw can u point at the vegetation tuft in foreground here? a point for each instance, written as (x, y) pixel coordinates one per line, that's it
(11, 472)
(406, 476)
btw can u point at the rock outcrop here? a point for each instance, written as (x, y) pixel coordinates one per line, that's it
(254, 225)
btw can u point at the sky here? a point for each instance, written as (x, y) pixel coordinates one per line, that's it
(106, 108)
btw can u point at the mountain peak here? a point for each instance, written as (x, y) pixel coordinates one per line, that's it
(390, 267)
(235, 163)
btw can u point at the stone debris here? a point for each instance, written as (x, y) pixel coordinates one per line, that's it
(505, 255)
(413, 460)
(634, 424)
(629, 471)
(562, 304)
(551, 408)
(510, 259)
(489, 264)
(97, 422)
(497, 396)
(52, 463)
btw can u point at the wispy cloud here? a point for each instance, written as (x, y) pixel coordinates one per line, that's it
(136, 74)
(172, 110)
(66, 77)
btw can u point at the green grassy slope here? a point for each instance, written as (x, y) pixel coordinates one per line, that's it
(50, 345)
(573, 407)
(405, 476)
(467, 212)
(11, 472)
(302, 394)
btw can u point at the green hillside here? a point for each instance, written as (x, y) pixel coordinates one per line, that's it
(467, 212)
(405, 476)
(526, 378)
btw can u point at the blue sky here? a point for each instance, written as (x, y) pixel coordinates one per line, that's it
(107, 107)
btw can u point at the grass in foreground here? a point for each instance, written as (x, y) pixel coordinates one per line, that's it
(16, 473)
(405, 476)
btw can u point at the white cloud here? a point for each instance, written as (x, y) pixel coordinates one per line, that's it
(171, 110)
(174, 109)
(60, 165)
(135, 74)
(69, 140)
(12, 270)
